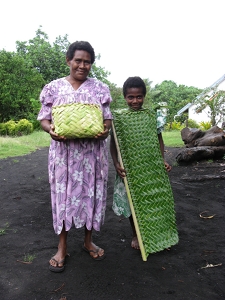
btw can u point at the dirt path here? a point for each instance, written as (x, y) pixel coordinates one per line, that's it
(178, 273)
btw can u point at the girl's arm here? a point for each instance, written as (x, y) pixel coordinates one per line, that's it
(114, 154)
(161, 144)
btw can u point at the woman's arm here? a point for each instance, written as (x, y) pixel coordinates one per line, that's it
(104, 134)
(48, 127)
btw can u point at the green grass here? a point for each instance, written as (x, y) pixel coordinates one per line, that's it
(18, 146)
(172, 138)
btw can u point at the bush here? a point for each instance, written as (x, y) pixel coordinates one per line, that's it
(32, 115)
(25, 127)
(3, 130)
(205, 125)
(174, 126)
(12, 128)
(192, 124)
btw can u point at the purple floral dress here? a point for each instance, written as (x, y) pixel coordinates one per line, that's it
(78, 168)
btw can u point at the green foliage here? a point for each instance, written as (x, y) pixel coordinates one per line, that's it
(24, 127)
(175, 96)
(205, 125)
(12, 128)
(118, 103)
(49, 60)
(18, 83)
(24, 73)
(3, 130)
(116, 92)
(32, 115)
(174, 126)
(192, 124)
(99, 72)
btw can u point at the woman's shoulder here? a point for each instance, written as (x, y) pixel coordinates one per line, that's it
(96, 82)
(57, 82)
(53, 86)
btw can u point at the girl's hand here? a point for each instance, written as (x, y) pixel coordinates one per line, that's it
(104, 134)
(167, 166)
(121, 172)
(54, 135)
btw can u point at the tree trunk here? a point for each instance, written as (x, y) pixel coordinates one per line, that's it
(199, 153)
(209, 144)
(194, 137)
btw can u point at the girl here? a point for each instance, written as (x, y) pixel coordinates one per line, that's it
(134, 91)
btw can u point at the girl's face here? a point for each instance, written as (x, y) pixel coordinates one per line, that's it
(80, 65)
(135, 98)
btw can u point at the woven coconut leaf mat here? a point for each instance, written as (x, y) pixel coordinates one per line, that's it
(147, 183)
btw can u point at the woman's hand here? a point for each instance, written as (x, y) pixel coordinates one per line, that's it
(121, 172)
(167, 166)
(104, 134)
(54, 135)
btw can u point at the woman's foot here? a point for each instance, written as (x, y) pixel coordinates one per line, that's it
(56, 263)
(95, 252)
(134, 243)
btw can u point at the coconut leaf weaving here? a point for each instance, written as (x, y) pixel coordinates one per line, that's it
(77, 120)
(147, 180)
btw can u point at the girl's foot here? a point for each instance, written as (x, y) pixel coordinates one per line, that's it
(134, 243)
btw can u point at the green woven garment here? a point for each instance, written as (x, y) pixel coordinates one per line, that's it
(148, 182)
(77, 120)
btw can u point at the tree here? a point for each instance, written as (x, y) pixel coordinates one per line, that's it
(24, 73)
(50, 60)
(212, 101)
(175, 96)
(19, 82)
(150, 97)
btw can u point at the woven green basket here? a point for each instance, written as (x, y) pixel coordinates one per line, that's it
(77, 120)
(147, 182)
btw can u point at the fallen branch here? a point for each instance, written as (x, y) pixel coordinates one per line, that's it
(59, 289)
(24, 262)
(211, 266)
(205, 217)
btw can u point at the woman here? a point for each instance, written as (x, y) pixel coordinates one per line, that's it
(78, 168)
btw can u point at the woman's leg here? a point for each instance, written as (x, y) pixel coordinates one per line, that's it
(94, 250)
(134, 242)
(62, 250)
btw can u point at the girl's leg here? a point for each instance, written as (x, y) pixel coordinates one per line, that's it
(134, 242)
(62, 250)
(89, 246)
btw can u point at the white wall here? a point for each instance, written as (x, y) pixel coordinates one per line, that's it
(198, 117)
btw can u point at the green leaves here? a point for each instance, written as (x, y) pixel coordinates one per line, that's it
(18, 83)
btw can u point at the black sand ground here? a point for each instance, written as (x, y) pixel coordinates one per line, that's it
(193, 269)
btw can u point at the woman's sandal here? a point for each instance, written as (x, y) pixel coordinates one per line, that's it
(94, 251)
(57, 269)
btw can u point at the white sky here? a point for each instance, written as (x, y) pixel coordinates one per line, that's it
(179, 40)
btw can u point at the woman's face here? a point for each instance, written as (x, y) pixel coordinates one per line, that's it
(80, 65)
(135, 98)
